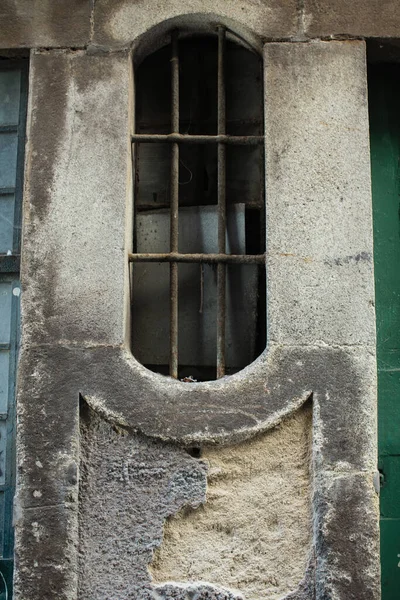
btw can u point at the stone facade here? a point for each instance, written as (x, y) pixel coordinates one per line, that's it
(112, 501)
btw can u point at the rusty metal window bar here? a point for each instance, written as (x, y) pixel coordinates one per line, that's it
(221, 259)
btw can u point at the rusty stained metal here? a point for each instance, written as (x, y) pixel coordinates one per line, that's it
(221, 259)
(174, 211)
(227, 259)
(239, 140)
(221, 193)
(162, 205)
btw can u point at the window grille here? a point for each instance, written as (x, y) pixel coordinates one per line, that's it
(178, 142)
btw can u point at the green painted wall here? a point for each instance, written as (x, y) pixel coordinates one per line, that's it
(384, 101)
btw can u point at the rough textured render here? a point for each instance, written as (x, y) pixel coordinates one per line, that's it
(117, 23)
(111, 24)
(369, 18)
(33, 23)
(253, 534)
(129, 486)
(248, 531)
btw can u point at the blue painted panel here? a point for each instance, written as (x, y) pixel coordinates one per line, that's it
(10, 87)
(13, 97)
(6, 223)
(8, 159)
(3, 452)
(4, 383)
(2, 514)
(5, 311)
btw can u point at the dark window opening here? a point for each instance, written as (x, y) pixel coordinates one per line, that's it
(198, 273)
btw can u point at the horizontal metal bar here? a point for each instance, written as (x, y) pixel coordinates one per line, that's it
(166, 126)
(221, 193)
(240, 140)
(174, 212)
(3, 416)
(176, 257)
(9, 263)
(8, 128)
(147, 207)
(5, 347)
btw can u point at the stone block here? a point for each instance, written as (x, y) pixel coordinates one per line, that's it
(77, 206)
(350, 509)
(345, 410)
(45, 23)
(48, 568)
(319, 221)
(315, 303)
(119, 23)
(366, 18)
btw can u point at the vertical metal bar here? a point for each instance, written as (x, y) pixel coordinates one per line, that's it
(174, 209)
(221, 272)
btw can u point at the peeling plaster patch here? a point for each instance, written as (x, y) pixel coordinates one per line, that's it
(253, 534)
(197, 591)
(129, 485)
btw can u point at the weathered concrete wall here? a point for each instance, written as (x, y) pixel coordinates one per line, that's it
(80, 516)
(111, 24)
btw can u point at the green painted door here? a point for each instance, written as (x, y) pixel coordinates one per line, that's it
(384, 102)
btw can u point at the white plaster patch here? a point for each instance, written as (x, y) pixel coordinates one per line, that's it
(36, 531)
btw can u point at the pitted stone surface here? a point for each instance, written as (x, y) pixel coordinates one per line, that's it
(129, 486)
(319, 212)
(76, 202)
(366, 18)
(44, 23)
(254, 532)
(199, 591)
(119, 23)
(250, 534)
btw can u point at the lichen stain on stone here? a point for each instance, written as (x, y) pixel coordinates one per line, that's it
(253, 534)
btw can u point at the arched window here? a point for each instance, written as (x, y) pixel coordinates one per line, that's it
(198, 286)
